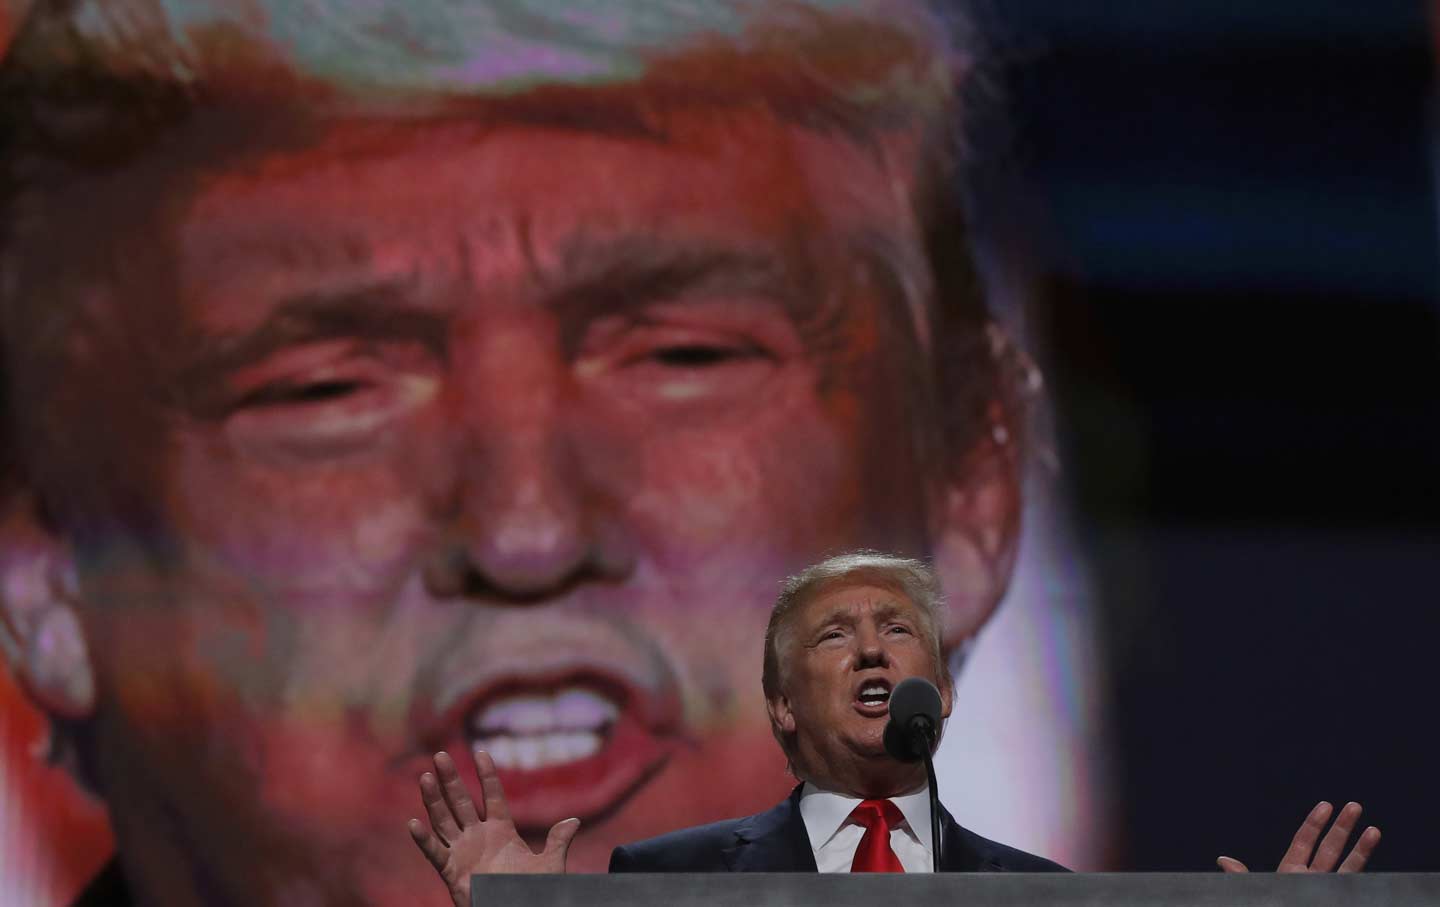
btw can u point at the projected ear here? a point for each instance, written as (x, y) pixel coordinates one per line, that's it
(976, 531)
(41, 636)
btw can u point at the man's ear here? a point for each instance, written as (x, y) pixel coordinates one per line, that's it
(976, 531)
(781, 717)
(947, 693)
(41, 636)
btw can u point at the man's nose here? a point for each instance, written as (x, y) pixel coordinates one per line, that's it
(530, 521)
(870, 649)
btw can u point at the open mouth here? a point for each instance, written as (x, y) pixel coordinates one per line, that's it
(576, 744)
(872, 697)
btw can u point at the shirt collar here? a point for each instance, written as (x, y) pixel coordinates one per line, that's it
(825, 813)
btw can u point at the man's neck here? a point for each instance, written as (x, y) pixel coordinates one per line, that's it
(883, 779)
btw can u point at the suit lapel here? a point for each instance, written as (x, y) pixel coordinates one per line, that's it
(956, 852)
(772, 841)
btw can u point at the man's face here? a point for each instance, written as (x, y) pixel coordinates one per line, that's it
(841, 654)
(441, 437)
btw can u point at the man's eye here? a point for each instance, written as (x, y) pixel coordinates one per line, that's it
(699, 355)
(328, 400)
(689, 371)
(688, 357)
(302, 393)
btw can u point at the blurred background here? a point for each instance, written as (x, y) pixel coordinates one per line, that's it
(1235, 215)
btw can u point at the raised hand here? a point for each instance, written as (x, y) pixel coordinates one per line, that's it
(466, 837)
(1302, 855)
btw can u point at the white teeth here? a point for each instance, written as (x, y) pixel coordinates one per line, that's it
(533, 731)
(518, 713)
(502, 750)
(540, 750)
(874, 691)
(527, 751)
(570, 709)
(577, 708)
(569, 747)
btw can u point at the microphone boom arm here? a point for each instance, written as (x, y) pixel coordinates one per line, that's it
(924, 737)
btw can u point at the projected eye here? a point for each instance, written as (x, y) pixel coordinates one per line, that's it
(313, 392)
(327, 398)
(709, 369)
(699, 356)
(681, 363)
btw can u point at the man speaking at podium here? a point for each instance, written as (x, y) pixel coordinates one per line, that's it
(842, 635)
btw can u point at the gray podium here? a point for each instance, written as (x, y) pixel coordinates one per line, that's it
(1001, 890)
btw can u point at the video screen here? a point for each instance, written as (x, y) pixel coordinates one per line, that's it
(388, 378)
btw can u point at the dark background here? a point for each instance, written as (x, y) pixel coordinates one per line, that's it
(1236, 237)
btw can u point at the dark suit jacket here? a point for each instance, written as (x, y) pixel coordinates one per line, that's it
(776, 841)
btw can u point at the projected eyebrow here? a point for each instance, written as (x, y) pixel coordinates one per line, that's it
(626, 277)
(595, 277)
(373, 312)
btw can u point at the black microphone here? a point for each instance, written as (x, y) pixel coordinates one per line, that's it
(910, 736)
(914, 719)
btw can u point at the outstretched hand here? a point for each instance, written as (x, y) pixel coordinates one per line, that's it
(1302, 855)
(466, 837)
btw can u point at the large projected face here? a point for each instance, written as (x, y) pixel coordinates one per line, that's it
(411, 435)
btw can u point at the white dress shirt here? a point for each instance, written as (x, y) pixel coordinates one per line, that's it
(834, 837)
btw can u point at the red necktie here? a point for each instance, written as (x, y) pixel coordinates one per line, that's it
(874, 853)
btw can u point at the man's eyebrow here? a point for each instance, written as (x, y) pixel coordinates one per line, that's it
(889, 611)
(371, 311)
(842, 616)
(845, 615)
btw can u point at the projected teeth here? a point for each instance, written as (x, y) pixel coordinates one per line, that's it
(532, 731)
(540, 750)
(568, 709)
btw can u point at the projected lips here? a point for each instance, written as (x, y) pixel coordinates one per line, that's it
(573, 742)
(578, 711)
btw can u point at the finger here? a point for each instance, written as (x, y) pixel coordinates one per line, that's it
(1333, 844)
(1360, 853)
(561, 834)
(1297, 858)
(453, 789)
(480, 804)
(429, 845)
(490, 789)
(1230, 864)
(437, 809)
